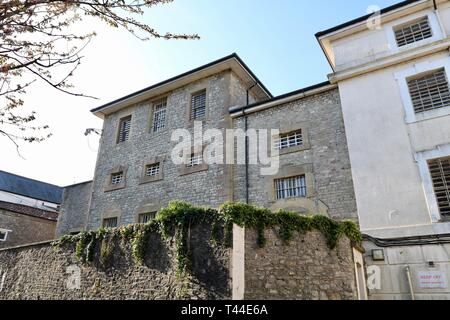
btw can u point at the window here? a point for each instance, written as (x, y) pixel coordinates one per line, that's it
(198, 106)
(195, 160)
(294, 187)
(152, 170)
(110, 222)
(117, 178)
(159, 115)
(414, 32)
(3, 235)
(430, 91)
(124, 129)
(288, 140)
(146, 217)
(440, 176)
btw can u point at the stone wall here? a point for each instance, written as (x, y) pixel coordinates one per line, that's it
(42, 272)
(74, 208)
(323, 158)
(304, 270)
(211, 187)
(25, 228)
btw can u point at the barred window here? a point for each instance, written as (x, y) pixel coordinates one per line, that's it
(159, 115)
(109, 222)
(288, 140)
(294, 187)
(195, 160)
(440, 175)
(117, 178)
(430, 91)
(146, 217)
(198, 106)
(124, 129)
(414, 32)
(152, 169)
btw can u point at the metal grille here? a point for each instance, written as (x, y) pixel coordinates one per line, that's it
(159, 115)
(117, 178)
(110, 222)
(289, 140)
(294, 187)
(195, 160)
(124, 131)
(414, 32)
(198, 106)
(440, 174)
(152, 170)
(430, 92)
(146, 217)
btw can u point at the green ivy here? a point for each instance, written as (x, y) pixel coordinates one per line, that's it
(177, 219)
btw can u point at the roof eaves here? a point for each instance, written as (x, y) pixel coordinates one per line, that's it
(365, 17)
(231, 56)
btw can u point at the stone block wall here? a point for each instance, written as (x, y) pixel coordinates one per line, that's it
(324, 158)
(304, 270)
(74, 209)
(43, 272)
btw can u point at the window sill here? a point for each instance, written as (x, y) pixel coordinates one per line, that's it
(428, 115)
(295, 149)
(110, 187)
(145, 180)
(190, 170)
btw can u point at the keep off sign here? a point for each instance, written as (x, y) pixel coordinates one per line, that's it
(432, 279)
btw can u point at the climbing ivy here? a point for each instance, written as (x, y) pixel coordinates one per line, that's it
(178, 218)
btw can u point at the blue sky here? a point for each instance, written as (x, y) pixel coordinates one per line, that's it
(274, 38)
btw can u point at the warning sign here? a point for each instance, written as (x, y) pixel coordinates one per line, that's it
(432, 279)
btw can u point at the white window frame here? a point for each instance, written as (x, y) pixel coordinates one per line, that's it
(417, 69)
(435, 26)
(422, 159)
(6, 234)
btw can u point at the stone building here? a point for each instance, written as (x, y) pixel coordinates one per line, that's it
(135, 175)
(28, 210)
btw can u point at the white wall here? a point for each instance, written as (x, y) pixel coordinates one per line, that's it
(385, 149)
(371, 45)
(14, 198)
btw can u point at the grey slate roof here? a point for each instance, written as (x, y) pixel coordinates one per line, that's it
(30, 188)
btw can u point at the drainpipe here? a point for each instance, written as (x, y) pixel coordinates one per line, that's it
(436, 11)
(408, 276)
(247, 183)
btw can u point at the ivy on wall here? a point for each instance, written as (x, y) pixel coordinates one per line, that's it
(177, 219)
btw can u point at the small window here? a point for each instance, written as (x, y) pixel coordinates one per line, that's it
(198, 106)
(110, 222)
(294, 187)
(152, 170)
(159, 115)
(117, 178)
(195, 160)
(430, 91)
(413, 32)
(146, 217)
(124, 129)
(440, 175)
(289, 140)
(3, 235)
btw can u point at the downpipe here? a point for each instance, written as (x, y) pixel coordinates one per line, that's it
(408, 276)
